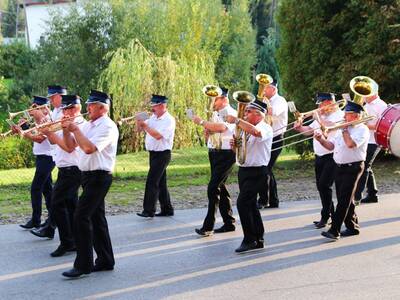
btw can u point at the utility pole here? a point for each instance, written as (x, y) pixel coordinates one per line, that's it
(16, 21)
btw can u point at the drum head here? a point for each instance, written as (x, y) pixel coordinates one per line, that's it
(394, 140)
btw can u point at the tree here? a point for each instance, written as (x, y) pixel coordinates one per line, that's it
(73, 50)
(9, 19)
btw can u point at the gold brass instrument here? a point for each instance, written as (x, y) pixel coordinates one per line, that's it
(139, 116)
(213, 91)
(26, 112)
(363, 86)
(3, 135)
(243, 98)
(52, 126)
(264, 80)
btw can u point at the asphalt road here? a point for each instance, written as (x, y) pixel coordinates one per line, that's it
(163, 258)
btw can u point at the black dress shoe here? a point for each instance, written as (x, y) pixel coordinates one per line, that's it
(30, 225)
(99, 268)
(260, 244)
(320, 224)
(247, 247)
(203, 232)
(164, 214)
(74, 273)
(273, 206)
(225, 228)
(61, 250)
(44, 232)
(329, 235)
(370, 199)
(145, 214)
(349, 232)
(261, 205)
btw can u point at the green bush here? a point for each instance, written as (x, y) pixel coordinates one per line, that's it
(16, 153)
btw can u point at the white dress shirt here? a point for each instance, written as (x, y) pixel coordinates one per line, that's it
(258, 149)
(227, 135)
(43, 148)
(165, 125)
(343, 154)
(103, 133)
(279, 114)
(335, 116)
(65, 159)
(374, 108)
(56, 114)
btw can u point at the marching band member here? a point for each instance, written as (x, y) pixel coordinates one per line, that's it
(374, 106)
(65, 191)
(349, 147)
(42, 181)
(324, 163)
(160, 130)
(252, 173)
(97, 142)
(221, 164)
(54, 93)
(279, 112)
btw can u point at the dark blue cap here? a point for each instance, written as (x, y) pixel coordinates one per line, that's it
(56, 89)
(274, 83)
(70, 100)
(98, 97)
(38, 100)
(225, 92)
(259, 105)
(353, 107)
(158, 99)
(321, 97)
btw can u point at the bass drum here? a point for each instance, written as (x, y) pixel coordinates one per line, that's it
(387, 133)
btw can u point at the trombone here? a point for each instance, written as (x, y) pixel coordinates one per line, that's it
(326, 130)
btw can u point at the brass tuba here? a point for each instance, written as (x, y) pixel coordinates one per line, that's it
(264, 80)
(213, 91)
(363, 86)
(243, 98)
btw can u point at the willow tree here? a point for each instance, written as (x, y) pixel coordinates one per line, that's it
(135, 73)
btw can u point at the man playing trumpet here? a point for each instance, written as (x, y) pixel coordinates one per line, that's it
(65, 191)
(328, 115)
(252, 172)
(222, 159)
(349, 146)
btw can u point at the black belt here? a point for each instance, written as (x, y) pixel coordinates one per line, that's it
(353, 164)
(70, 168)
(219, 150)
(96, 172)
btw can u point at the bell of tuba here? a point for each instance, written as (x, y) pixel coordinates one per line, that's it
(264, 80)
(363, 86)
(243, 98)
(213, 91)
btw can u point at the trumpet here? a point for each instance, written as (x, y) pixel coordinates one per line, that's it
(52, 126)
(213, 91)
(25, 112)
(3, 135)
(264, 80)
(243, 98)
(139, 116)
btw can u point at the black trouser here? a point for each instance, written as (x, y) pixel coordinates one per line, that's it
(41, 185)
(221, 164)
(90, 224)
(367, 177)
(346, 180)
(156, 183)
(251, 182)
(325, 175)
(269, 194)
(64, 200)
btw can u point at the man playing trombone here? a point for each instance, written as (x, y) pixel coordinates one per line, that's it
(328, 115)
(252, 172)
(222, 159)
(65, 191)
(349, 146)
